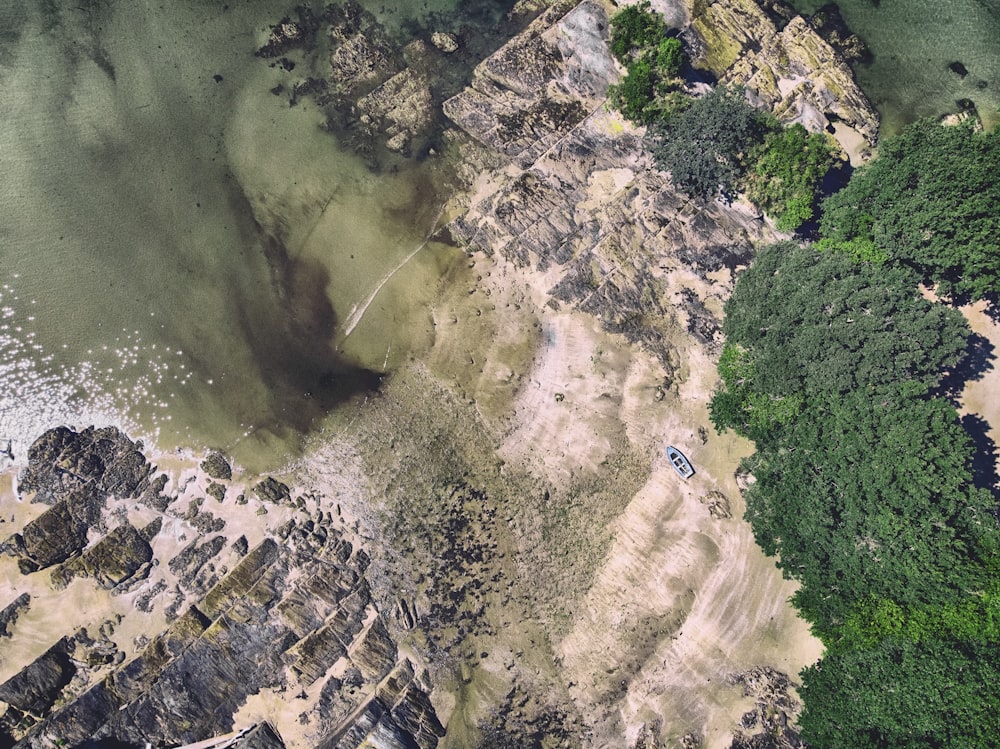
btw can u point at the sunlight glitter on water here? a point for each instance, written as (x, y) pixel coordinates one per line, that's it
(119, 383)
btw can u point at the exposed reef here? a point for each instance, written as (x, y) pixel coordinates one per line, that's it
(292, 612)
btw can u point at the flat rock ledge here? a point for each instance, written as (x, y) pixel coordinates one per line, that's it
(576, 197)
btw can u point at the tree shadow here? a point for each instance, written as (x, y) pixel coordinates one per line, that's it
(984, 460)
(993, 307)
(978, 360)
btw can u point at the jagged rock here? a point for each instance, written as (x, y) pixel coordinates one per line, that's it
(773, 712)
(192, 557)
(718, 505)
(402, 106)
(261, 736)
(272, 490)
(154, 527)
(240, 546)
(103, 459)
(216, 491)
(10, 613)
(792, 72)
(35, 688)
(830, 25)
(58, 533)
(111, 561)
(374, 653)
(241, 578)
(153, 495)
(360, 61)
(313, 656)
(399, 715)
(217, 467)
(445, 42)
(514, 104)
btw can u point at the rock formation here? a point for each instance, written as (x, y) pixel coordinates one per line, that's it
(578, 193)
(293, 611)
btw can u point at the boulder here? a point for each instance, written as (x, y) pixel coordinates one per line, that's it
(11, 612)
(445, 42)
(217, 467)
(36, 687)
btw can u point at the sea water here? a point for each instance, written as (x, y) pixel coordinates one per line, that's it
(185, 254)
(913, 43)
(181, 250)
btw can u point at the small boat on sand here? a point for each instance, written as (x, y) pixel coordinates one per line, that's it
(680, 463)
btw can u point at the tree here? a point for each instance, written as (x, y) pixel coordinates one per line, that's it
(634, 28)
(705, 146)
(929, 202)
(653, 60)
(818, 322)
(901, 694)
(669, 57)
(786, 173)
(635, 93)
(863, 497)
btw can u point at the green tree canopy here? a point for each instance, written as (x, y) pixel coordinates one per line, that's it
(634, 28)
(818, 322)
(788, 168)
(864, 496)
(921, 695)
(928, 201)
(705, 146)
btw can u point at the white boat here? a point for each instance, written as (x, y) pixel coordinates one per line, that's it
(680, 463)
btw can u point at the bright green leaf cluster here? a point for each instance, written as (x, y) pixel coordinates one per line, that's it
(785, 173)
(635, 27)
(653, 59)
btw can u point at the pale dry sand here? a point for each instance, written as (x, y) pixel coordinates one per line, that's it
(678, 600)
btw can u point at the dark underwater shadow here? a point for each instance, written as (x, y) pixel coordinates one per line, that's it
(293, 348)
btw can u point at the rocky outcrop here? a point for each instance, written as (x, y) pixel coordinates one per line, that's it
(578, 197)
(36, 687)
(217, 467)
(104, 460)
(793, 72)
(293, 611)
(113, 561)
(585, 199)
(11, 612)
(768, 724)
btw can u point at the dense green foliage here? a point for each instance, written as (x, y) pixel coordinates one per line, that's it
(929, 201)
(818, 322)
(787, 168)
(919, 695)
(640, 41)
(720, 143)
(635, 27)
(862, 497)
(863, 491)
(705, 147)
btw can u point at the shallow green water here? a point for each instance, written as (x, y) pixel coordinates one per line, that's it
(180, 248)
(913, 43)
